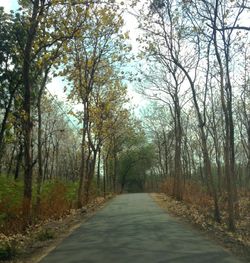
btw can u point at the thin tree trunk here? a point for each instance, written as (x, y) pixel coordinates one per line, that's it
(83, 164)
(98, 168)
(228, 152)
(11, 160)
(19, 160)
(3, 126)
(39, 139)
(90, 175)
(115, 166)
(27, 122)
(104, 176)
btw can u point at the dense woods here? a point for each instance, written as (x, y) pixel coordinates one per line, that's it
(64, 153)
(192, 141)
(196, 71)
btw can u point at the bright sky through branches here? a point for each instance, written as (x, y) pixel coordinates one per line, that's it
(9, 5)
(56, 85)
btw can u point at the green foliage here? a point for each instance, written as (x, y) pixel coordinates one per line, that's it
(69, 187)
(57, 198)
(71, 193)
(10, 190)
(135, 163)
(45, 234)
(8, 250)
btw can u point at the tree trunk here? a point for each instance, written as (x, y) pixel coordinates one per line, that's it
(11, 160)
(39, 139)
(178, 191)
(19, 160)
(115, 166)
(39, 151)
(90, 175)
(229, 145)
(83, 157)
(27, 122)
(98, 168)
(3, 126)
(104, 176)
(166, 154)
(248, 157)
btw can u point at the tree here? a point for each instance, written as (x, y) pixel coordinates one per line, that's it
(10, 80)
(44, 31)
(94, 54)
(219, 30)
(170, 30)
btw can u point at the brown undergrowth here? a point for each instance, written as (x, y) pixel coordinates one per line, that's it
(30, 245)
(197, 208)
(57, 203)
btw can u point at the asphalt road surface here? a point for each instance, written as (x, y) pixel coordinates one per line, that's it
(133, 228)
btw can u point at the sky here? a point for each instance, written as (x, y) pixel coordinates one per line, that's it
(56, 86)
(9, 5)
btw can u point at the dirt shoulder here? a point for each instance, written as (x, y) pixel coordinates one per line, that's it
(237, 244)
(44, 237)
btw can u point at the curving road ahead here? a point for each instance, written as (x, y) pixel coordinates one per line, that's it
(132, 228)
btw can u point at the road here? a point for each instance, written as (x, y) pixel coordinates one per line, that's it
(133, 228)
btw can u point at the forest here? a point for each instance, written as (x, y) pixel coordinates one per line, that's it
(191, 141)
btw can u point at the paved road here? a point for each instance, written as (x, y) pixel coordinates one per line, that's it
(132, 228)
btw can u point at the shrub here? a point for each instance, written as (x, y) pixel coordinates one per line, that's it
(8, 248)
(193, 193)
(45, 234)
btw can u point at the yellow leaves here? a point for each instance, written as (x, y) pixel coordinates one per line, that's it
(11, 118)
(126, 35)
(105, 19)
(79, 9)
(55, 2)
(23, 115)
(90, 63)
(47, 57)
(78, 33)
(64, 59)
(72, 113)
(36, 47)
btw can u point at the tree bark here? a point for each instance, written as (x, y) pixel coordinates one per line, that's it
(27, 122)
(83, 161)
(229, 145)
(39, 139)
(19, 160)
(3, 126)
(98, 168)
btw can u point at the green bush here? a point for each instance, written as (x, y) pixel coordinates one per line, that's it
(49, 186)
(11, 190)
(57, 198)
(8, 250)
(45, 234)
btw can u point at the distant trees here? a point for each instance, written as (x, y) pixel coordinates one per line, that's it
(135, 164)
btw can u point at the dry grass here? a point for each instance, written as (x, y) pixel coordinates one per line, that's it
(44, 234)
(57, 199)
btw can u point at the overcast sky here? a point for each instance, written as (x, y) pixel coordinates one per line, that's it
(9, 4)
